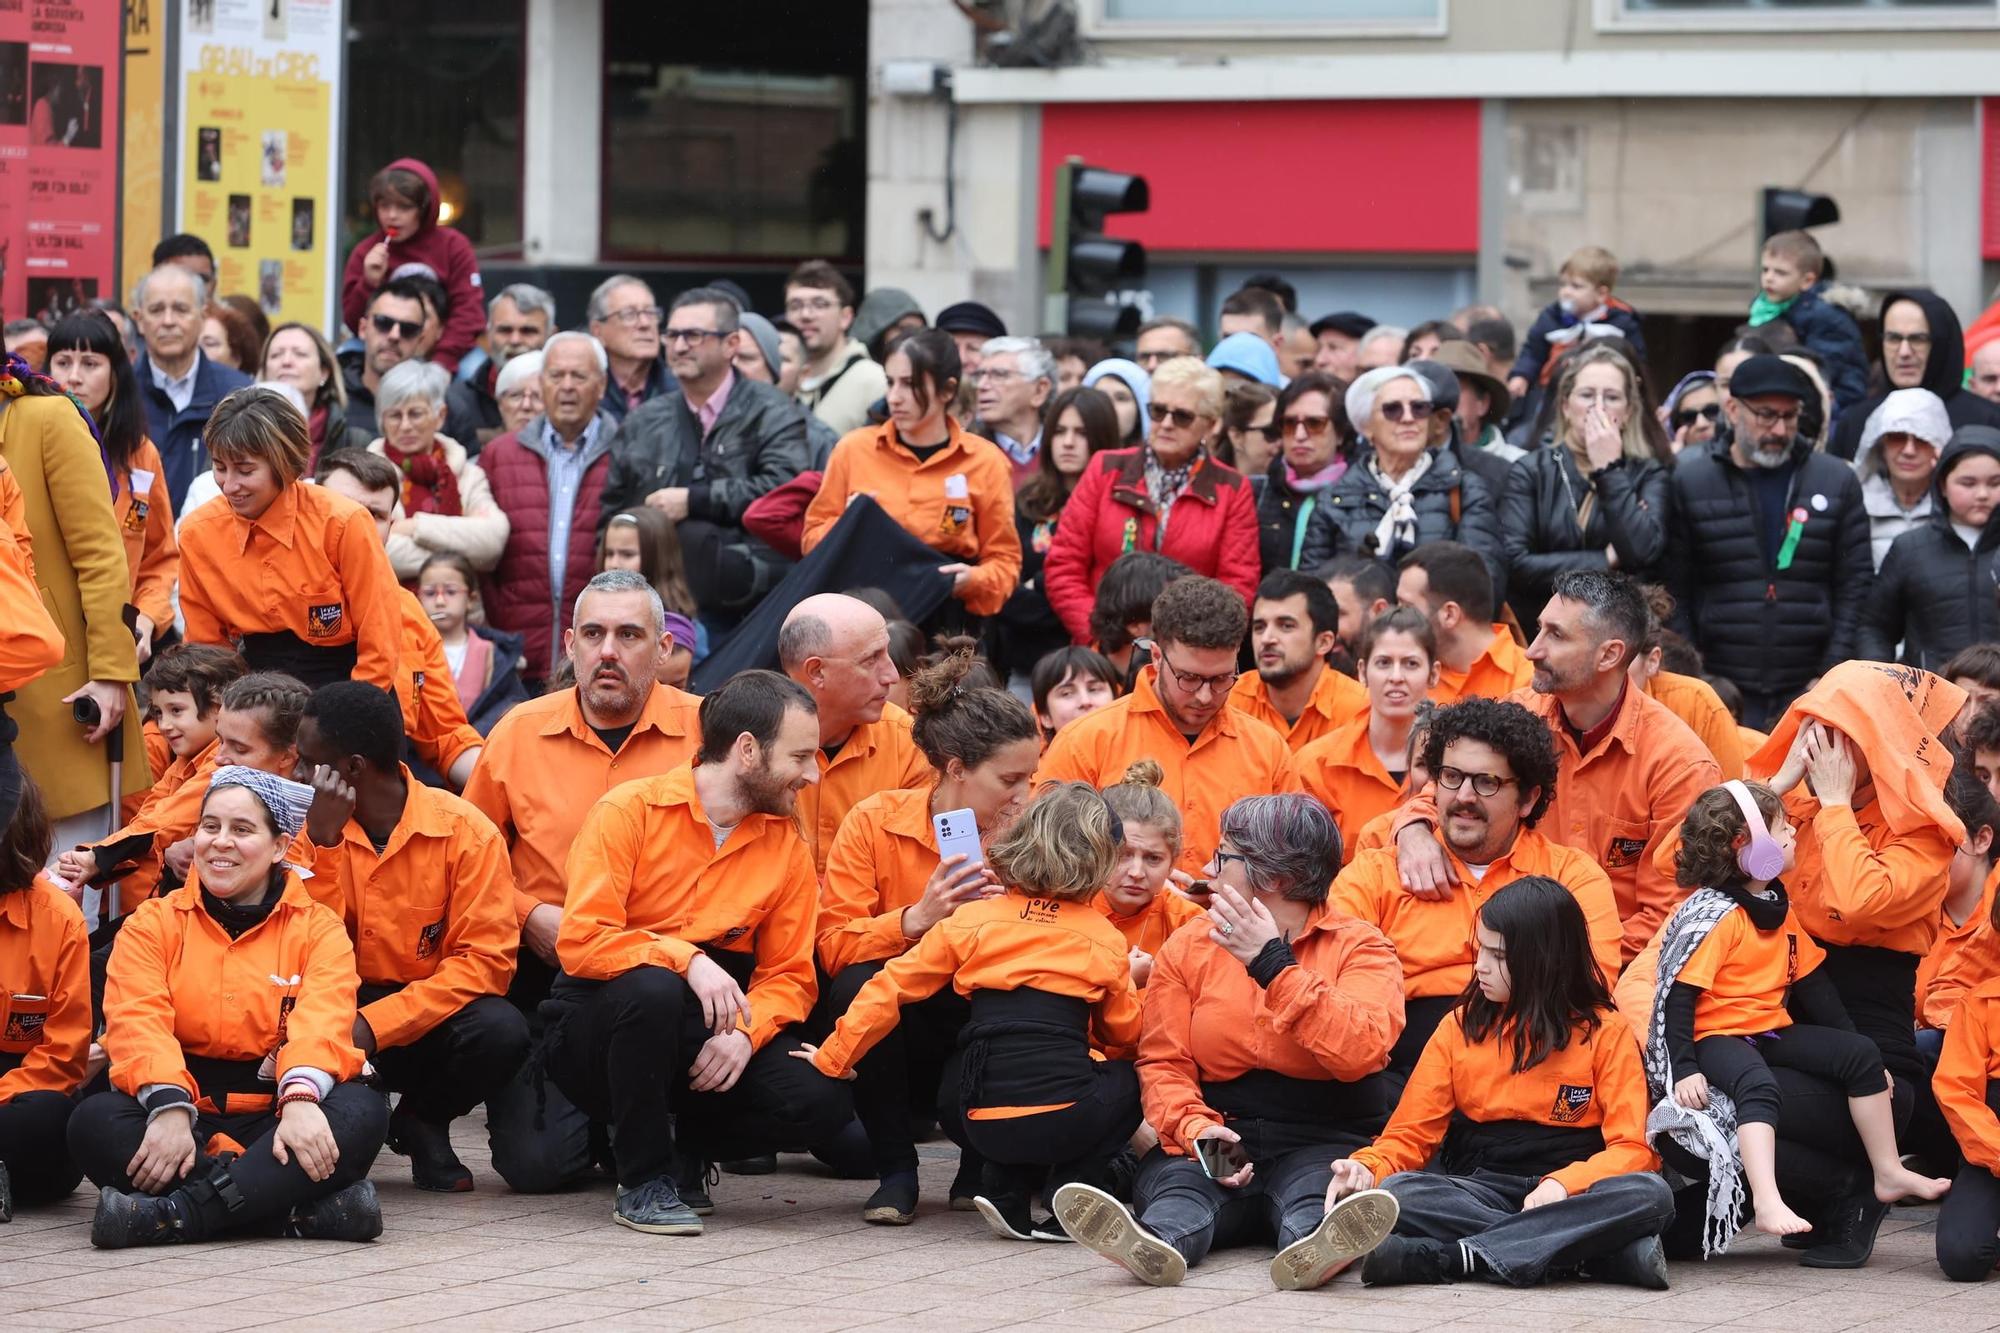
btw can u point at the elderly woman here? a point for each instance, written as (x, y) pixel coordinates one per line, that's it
(1316, 446)
(1264, 1040)
(1128, 387)
(1898, 458)
(1168, 496)
(1597, 499)
(447, 503)
(298, 355)
(1400, 491)
(517, 389)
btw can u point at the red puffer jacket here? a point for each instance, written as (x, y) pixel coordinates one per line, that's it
(517, 594)
(1212, 529)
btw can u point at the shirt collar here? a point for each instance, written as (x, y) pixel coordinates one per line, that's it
(711, 410)
(1021, 452)
(554, 440)
(424, 814)
(280, 521)
(657, 714)
(173, 382)
(909, 814)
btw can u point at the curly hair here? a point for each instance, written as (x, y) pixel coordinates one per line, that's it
(1709, 834)
(1201, 613)
(1062, 847)
(1508, 728)
(961, 715)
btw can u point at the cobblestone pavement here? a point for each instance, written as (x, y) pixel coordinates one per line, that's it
(790, 1252)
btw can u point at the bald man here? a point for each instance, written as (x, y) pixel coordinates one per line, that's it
(1986, 371)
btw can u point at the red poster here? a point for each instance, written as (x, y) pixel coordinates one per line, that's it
(59, 115)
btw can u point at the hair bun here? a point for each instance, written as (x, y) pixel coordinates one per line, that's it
(1144, 773)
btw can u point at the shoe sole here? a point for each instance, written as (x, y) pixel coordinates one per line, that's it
(1102, 1225)
(1353, 1227)
(887, 1217)
(658, 1228)
(996, 1221)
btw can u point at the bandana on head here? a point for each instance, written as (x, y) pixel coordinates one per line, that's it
(286, 800)
(15, 377)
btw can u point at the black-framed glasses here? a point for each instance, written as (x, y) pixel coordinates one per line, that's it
(405, 328)
(1768, 418)
(1686, 416)
(1183, 418)
(1916, 342)
(693, 337)
(1193, 683)
(638, 314)
(1222, 860)
(1486, 784)
(1269, 430)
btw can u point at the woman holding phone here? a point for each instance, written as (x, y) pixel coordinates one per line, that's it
(887, 886)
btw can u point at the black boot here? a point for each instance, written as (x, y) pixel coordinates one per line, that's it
(123, 1220)
(1641, 1263)
(6, 1194)
(433, 1164)
(692, 1177)
(354, 1213)
(763, 1165)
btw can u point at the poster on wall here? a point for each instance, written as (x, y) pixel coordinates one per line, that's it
(260, 148)
(145, 136)
(59, 85)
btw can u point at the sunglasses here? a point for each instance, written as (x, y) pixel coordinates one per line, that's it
(1710, 413)
(1405, 411)
(1313, 426)
(403, 327)
(1268, 432)
(1183, 418)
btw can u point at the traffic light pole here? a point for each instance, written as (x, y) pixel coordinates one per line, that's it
(1055, 290)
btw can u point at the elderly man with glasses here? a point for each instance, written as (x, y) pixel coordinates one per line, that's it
(625, 318)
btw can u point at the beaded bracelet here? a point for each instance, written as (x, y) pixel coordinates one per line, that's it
(304, 1094)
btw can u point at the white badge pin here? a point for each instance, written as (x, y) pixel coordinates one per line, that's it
(1819, 503)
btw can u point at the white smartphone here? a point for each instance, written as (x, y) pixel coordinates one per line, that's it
(958, 835)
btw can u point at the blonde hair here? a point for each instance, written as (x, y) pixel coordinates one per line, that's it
(1594, 264)
(1137, 799)
(1632, 436)
(1194, 375)
(1061, 848)
(261, 423)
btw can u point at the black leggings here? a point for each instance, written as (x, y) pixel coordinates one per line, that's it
(1742, 1067)
(1879, 988)
(911, 1057)
(1968, 1227)
(33, 1145)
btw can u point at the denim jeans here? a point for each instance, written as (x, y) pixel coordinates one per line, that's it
(1484, 1210)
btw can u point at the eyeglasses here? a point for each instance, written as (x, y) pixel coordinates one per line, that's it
(1686, 418)
(1269, 430)
(405, 328)
(1222, 860)
(1183, 419)
(1768, 418)
(692, 337)
(994, 376)
(1486, 784)
(637, 314)
(814, 305)
(1195, 684)
(1408, 410)
(1916, 342)
(1151, 360)
(1313, 426)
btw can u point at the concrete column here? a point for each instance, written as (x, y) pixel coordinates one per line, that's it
(1946, 201)
(562, 132)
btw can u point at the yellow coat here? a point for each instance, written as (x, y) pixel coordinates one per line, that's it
(81, 569)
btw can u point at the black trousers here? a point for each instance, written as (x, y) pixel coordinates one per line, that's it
(541, 1143)
(1879, 988)
(1742, 1068)
(621, 1053)
(1420, 1019)
(107, 1128)
(459, 1063)
(904, 1070)
(1030, 1153)
(1968, 1227)
(1285, 1199)
(34, 1146)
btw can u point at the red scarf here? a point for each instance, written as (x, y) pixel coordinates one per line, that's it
(428, 484)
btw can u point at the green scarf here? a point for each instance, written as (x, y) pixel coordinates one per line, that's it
(1763, 310)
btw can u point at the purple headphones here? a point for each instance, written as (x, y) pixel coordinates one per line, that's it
(1762, 857)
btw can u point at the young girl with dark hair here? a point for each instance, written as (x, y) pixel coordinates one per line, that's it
(1531, 1097)
(1072, 682)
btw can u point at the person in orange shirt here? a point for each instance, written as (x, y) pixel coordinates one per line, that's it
(1179, 715)
(1968, 1088)
(1451, 585)
(952, 491)
(886, 890)
(1045, 979)
(687, 956)
(1144, 897)
(229, 1018)
(292, 574)
(1531, 1097)
(1945, 974)
(1265, 1037)
(421, 881)
(1692, 699)
(46, 1024)
(1495, 769)
(1378, 832)
(1360, 772)
(1293, 625)
(837, 647)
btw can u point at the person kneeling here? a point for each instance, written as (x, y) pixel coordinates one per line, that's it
(241, 1116)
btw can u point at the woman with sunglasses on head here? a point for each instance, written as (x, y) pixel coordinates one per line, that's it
(1315, 447)
(1597, 499)
(1169, 496)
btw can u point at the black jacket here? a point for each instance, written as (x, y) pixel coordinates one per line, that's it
(1452, 504)
(1539, 532)
(1933, 594)
(1768, 630)
(1831, 334)
(472, 414)
(1027, 626)
(757, 445)
(1944, 375)
(1281, 513)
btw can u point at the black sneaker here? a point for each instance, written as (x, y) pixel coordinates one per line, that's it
(123, 1220)
(692, 1177)
(354, 1213)
(1101, 1224)
(6, 1195)
(1642, 1263)
(1050, 1231)
(655, 1208)
(1351, 1228)
(1006, 1215)
(1401, 1261)
(433, 1164)
(1859, 1220)
(894, 1202)
(965, 1183)
(766, 1165)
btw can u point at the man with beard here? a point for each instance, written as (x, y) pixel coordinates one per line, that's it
(1628, 767)
(1768, 555)
(1450, 584)
(545, 764)
(1293, 628)
(687, 955)
(1364, 588)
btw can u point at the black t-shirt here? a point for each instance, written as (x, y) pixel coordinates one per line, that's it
(614, 737)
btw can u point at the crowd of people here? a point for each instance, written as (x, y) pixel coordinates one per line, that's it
(1416, 797)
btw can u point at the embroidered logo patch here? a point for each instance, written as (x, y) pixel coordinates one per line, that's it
(1571, 1102)
(25, 1026)
(323, 622)
(1624, 852)
(429, 938)
(733, 934)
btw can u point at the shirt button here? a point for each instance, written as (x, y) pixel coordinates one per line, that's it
(369, 934)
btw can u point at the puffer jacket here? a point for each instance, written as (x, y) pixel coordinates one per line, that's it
(1539, 531)
(1934, 594)
(1452, 504)
(1831, 334)
(757, 444)
(478, 531)
(1768, 630)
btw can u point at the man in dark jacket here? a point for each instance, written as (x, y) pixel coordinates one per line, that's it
(1923, 347)
(1768, 555)
(179, 384)
(518, 320)
(701, 455)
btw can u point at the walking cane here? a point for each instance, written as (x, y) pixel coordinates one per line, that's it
(87, 714)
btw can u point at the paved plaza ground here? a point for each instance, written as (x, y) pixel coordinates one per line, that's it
(789, 1252)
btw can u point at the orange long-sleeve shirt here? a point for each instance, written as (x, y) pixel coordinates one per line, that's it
(1234, 756)
(543, 768)
(45, 951)
(1496, 673)
(1695, 702)
(179, 986)
(1974, 962)
(433, 912)
(1344, 772)
(1857, 882)
(311, 565)
(1434, 940)
(1335, 701)
(881, 859)
(1970, 1063)
(877, 756)
(648, 887)
(959, 502)
(169, 812)
(1744, 975)
(145, 514)
(1940, 978)
(1150, 929)
(433, 717)
(1334, 1016)
(1012, 942)
(1595, 1082)
(32, 642)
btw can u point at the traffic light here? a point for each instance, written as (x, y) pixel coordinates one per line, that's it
(1089, 272)
(1795, 210)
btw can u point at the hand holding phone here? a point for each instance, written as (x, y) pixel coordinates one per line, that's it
(1222, 1159)
(958, 835)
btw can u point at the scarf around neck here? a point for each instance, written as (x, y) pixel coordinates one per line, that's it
(1164, 485)
(1315, 482)
(429, 485)
(1763, 309)
(1399, 520)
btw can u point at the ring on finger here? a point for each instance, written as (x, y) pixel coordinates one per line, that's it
(1226, 928)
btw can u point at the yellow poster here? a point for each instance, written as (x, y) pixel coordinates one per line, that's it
(143, 207)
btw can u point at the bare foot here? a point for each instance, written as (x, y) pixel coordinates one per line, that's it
(1903, 1183)
(1775, 1219)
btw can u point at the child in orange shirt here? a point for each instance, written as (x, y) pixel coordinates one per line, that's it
(1143, 897)
(1968, 1090)
(1734, 963)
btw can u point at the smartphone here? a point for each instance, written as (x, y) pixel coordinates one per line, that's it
(958, 835)
(1220, 1158)
(1201, 891)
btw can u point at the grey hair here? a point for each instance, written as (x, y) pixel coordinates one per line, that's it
(570, 336)
(623, 580)
(1381, 332)
(1293, 322)
(801, 637)
(411, 380)
(1361, 394)
(728, 314)
(526, 297)
(200, 286)
(527, 366)
(1290, 844)
(600, 299)
(1035, 360)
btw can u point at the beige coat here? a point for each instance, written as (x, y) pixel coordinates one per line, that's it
(81, 569)
(479, 533)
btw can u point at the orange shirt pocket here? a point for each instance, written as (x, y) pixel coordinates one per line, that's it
(1622, 842)
(422, 929)
(327, 618)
